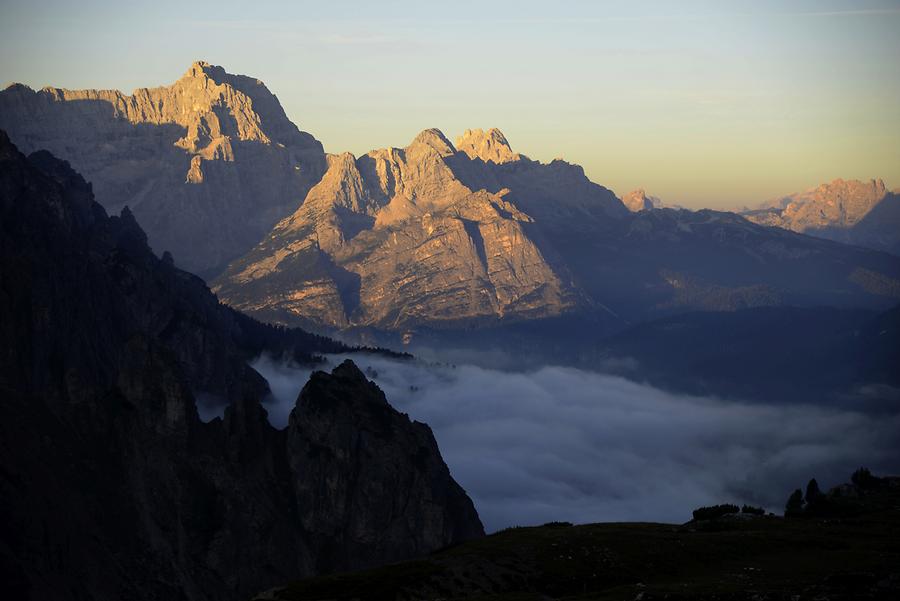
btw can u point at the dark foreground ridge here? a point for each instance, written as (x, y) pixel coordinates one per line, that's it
(112, 487)
(849, 552)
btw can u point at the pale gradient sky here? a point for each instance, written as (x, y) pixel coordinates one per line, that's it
(703, 103)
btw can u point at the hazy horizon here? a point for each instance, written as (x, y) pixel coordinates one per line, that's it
(715, 104)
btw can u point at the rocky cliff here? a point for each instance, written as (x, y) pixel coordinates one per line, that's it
(421, 234)
(849, 211)
(444, 236)
(112, 487)
(208, 164)
(637, 200)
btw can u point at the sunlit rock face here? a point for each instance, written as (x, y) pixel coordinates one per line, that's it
(434, 234)
(208, 164)
(637, 200)
(490, 145)
(850, 211)
(421, 234)
(472, 235)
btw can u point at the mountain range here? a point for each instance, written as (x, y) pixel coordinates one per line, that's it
(850, 211)
(111, 484)
(116, 484)
(475, 235)
(437, 234)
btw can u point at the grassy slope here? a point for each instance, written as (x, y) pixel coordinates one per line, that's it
(855, 557)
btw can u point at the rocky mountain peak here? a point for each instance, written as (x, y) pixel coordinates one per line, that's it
(199, 68)
(202, 68)
(414, 235)
(872, 189)
(637, 200)
(348, 370)
(434, 138)
(17, 87)
(246, 164)
(490, 145)
(858, 212)
(346, 388)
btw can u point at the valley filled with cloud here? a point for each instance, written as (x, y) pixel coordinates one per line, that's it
(559, 443)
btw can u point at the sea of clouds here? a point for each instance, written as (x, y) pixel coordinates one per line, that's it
(559, 443)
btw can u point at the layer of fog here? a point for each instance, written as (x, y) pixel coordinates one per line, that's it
(564, 444)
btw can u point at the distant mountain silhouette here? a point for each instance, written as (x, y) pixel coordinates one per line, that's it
(772, 354)
(853, 212)
(637, 200)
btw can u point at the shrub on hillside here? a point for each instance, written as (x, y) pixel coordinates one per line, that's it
(750, 509)
(557, 525)
(715, 511)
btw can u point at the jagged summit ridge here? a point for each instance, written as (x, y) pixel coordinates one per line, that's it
(850, 211)
(422, 234)
(435, 139)
(858, 196)
(201, 68)
(637, 200)
(208, 163)
(490, 145)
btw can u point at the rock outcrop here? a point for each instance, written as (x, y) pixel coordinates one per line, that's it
(637, 200)
(490, 145)
(369, 484)
(440, 236)
(111, 485)
(208, 164)
(851, 211)
(422, 234)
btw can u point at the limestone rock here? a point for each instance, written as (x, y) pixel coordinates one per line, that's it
(208, 164)
(637, 200)
(849, 211)
(437, 236)
(396, 238)
(490, 145)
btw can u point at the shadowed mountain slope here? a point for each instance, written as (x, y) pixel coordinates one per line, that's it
(774, 354)
(737, 557)
(112, 487)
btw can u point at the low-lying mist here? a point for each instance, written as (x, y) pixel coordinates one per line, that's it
(559, 443)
